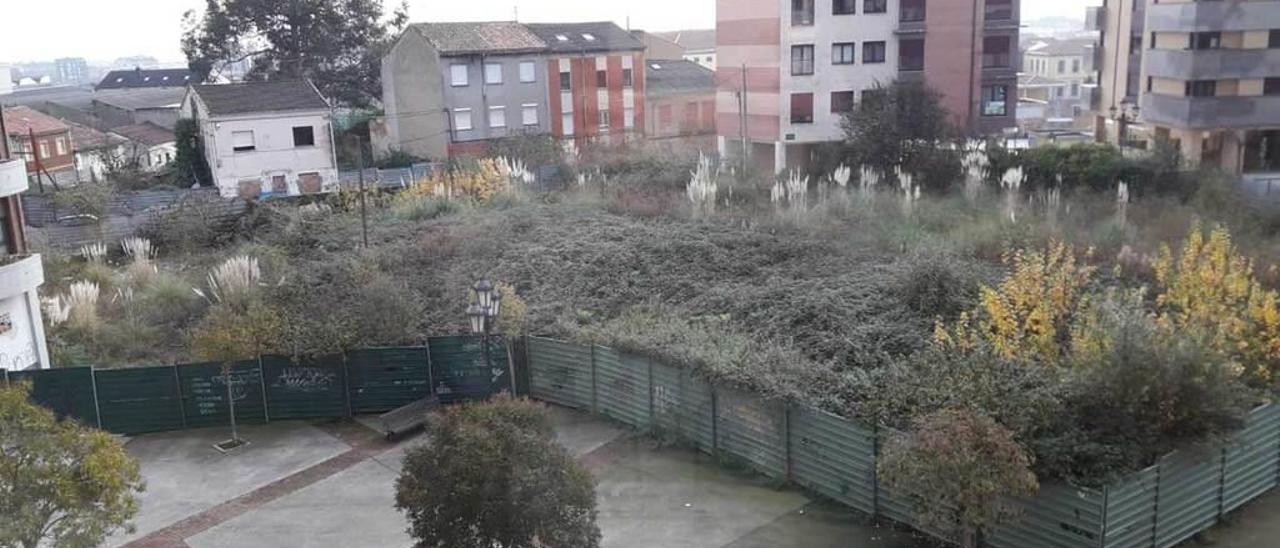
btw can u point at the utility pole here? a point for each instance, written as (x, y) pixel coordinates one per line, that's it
(35, 153)
(742, 127)
(364, 211)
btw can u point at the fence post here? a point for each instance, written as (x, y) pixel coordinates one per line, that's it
(653, 417)
(786, 433)
(93, 382)
(595, 398)
(511, 367)
(346, 384)
(715, 421)
(262, 382)
(528, 366)
(177, 383)
(1155, 514)
(1222, 483)
(1106, 515)
(431, 378)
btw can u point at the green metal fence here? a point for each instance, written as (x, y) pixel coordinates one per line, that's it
(154, 399)
(835, 457)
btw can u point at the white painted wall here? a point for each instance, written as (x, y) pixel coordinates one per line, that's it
(6, 80)
(22, 346)
(829, 29)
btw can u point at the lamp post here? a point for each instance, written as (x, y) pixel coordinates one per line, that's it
(483, 314)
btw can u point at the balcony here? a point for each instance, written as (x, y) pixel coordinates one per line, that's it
(1213, 64)
(20, 274)
(1211, 112)
(1095, 19)
(13, 177)
(1211, 16)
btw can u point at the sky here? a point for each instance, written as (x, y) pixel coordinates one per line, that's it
(103, 30)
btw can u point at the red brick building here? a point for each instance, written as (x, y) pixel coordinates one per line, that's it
(53, 152)
(596, 80)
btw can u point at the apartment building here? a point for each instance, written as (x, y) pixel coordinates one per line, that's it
(22, 341)
(599, 76)
(789, 69)
(1061, 74)
(1208, 79)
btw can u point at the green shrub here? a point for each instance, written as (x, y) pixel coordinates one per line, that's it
(936, 283)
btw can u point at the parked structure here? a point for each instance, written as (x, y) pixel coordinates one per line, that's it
(699, 45)
(71, 71)
(1200, 75)
(147, 78)
(44, 142)
(22, 342)
(265, 138)
(450, 88)
(680, 100)
(150, 146)
(808, 61)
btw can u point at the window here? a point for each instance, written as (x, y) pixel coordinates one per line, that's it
(995, 52)
(562, 38)
(911, 54)
(1075, 89)
(566, 123)
(588, 37)
(844, 7)
(875, 6)
(7, 240)
(462, 119)
(566, 81)
(492, 73)
(842, 54)
(1202, 88)
(1273, 41)
(304, 136)
(802, 108)
(628, 118)
(529, 114)
(841, 101)
(604, 119)
(801, 60)
(999, 10)
(528, 72)
(242, 141)
(1206, 40)
(1135, 43)
(1062, 66)
(628, 78)
(44, 148)
(1075, 66)
(1271, 86)
(60, 145)
(458, 75)
(801, 13)
(912, 11)
(995, 100)
(872, 52)
(497, 117)
(602, 78)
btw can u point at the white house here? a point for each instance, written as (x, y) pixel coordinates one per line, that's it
(22, 343)
(151, 146)
(265, 138)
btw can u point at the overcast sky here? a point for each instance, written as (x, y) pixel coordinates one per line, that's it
(103, 30)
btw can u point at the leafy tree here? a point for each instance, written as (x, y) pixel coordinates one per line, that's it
(902, 124)
(957, 467)
(336, 43)
(61, 484)
(493, 476)
(228, 334)
(190, 164)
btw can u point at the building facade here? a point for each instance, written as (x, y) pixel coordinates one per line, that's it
(1120, 24)
(44, 142)
(22, 341)
(789, 69)
(265, 139)
(71, 71)
(699, 45)
(1061, 74)
(599, 80)
(680, 100)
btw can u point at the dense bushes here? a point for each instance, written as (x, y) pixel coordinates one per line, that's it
(1097, 167)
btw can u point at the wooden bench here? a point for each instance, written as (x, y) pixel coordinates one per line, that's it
(408, 418)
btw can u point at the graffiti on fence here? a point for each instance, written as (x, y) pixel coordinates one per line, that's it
(664, 400)
(211, 392)
(307, 380)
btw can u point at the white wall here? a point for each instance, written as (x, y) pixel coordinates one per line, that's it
(21, 346)
(826, 78)
(275, 153)
(6, 80)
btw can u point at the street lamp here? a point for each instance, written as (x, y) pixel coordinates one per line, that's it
(1124, 115)
(483, 314)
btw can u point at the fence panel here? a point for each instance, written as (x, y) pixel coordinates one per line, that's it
(382, 379)
(622, 387)
(135, 401)
(834, 457)
(1190, 490)
(464, 370)
(560, 373)
(684, 406)
(754, 429)
(1130, 510)
(204, 394)
(306, 390)
(1057, 517)
(1252, 458)
(67, 392)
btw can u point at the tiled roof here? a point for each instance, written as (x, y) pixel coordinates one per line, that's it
(141, 99)
(678, 77)
(490, 37)
(696, 40)
(147, 78)
(146, 133)
(21, 121)
(585, 37)
(86, 138)
(251, 97)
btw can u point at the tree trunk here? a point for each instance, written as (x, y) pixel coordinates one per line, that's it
(231, 406)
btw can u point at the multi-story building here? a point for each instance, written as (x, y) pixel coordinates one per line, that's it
(1120, 24)
(71, 71)
(22, 342)
(1208, 78)
(1062, 75)
(807, 62)
(44, 142)
(680, 100)
(451, 88)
